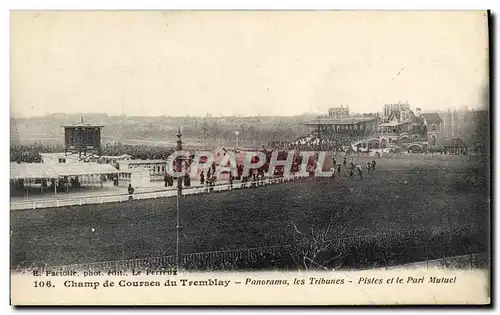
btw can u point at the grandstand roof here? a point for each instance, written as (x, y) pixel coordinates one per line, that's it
(393, 123)
(53, 157)
(142, 161)
(80, 124)
(339, 121)
(42, 170)
(83, 124)
(123, 156)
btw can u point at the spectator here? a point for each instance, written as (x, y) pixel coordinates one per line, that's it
(187, 180)
(130, 191)
(202, 178)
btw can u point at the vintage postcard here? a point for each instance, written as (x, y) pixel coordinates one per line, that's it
(249, 158)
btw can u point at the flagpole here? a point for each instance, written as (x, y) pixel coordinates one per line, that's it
(179, 194)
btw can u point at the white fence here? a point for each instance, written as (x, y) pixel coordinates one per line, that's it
(100, 199)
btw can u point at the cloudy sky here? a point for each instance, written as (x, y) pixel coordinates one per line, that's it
(248, 63)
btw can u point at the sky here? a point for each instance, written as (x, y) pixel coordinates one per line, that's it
(178, 63)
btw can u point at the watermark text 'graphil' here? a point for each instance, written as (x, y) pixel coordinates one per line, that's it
(247, 163)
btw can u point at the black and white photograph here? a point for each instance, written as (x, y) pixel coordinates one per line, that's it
(160, 144)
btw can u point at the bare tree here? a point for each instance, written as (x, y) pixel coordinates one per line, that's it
(205, 130)
(215, 130)
(317, 248)
(243, 131)
(225, 135)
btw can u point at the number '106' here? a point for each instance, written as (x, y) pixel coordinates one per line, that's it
(42, 284)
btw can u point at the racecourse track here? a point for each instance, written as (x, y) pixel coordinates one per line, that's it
(402, 194)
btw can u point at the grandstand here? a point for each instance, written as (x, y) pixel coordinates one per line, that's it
(337, 133)
(41, 178)
(399, 128)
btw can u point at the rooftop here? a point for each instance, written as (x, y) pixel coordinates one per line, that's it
(83, 124)
(142, 161)
(54, 157)
(339, 121)
(393, 123)
(431, 118)
(49, 171)
(123, 156)
(58, 154)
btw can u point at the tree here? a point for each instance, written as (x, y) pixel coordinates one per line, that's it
(276, 131)
(225, 135)
(252, 133)
(215, 130)
(317, 248)
(204, 130)
(258, 128)
(243, 131)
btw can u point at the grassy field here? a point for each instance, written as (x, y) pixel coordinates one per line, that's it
(402, 194)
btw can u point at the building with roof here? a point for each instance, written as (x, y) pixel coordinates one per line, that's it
(157, 168)
(57, 177)
(402, 126)
(82, 138)
(399, 126)
(59, 158)
(351, 126)
(434, 127)
(338, 132)
(113, 159)
(338, 112)
(397, 107)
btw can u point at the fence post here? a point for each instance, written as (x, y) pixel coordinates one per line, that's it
(34, 205)
(57, 203)
(80, 201)
(102, 200)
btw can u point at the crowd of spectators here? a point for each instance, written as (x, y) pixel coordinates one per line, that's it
(313, 142)
(28, 153)
(31, 153)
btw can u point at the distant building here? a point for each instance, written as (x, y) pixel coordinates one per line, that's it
(390, 108)
(405, 127)
(338, 112)
(402, 126)
(435, 130)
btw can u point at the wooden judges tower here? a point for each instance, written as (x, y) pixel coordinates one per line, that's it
(82, 138)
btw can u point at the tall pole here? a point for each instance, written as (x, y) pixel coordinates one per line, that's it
(179, 194)
(237, 133)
